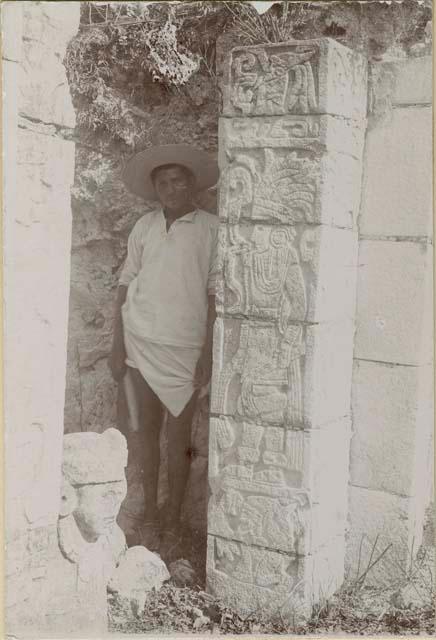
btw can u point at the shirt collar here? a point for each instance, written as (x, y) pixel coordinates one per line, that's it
(188, 217)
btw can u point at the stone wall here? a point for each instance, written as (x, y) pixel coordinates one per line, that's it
(391, 464)
(291, 143)
(38, 174)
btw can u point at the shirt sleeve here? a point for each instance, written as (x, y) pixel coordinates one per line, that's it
(132, 265)
(214, 265)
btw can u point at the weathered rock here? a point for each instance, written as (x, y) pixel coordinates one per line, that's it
(138, 572)
(182, 573)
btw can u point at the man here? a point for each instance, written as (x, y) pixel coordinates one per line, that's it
(164, 318)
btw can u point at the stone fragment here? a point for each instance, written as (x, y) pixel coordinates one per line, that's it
(393, 424)
(397, 192)
(305, 77)
(182, 573)
(394, 302)
(138, 572)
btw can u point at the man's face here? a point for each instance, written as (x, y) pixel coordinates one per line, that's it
(174, 188)
(98, 506)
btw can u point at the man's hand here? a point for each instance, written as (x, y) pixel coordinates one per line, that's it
(203, 370)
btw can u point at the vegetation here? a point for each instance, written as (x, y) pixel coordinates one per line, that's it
(130, 57)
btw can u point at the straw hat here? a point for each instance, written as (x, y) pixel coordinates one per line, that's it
(136, 174)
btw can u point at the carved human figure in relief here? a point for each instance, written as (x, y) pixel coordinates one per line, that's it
(270, 282)
(274, 84)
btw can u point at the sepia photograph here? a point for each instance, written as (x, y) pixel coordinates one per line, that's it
(218, 318)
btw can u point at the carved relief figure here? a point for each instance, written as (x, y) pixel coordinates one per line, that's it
(266, 83)
(276, 187)
(265, 277)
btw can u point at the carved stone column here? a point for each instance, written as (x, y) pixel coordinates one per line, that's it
(291, 138)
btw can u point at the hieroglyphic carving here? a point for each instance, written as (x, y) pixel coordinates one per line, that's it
(257, 494)
(271, 132)
(265, 81)
(270, 186)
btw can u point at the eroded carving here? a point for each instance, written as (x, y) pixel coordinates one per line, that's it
(253, 579)
(256, 494)
(278, 81)
(270, 185)
(267, 369)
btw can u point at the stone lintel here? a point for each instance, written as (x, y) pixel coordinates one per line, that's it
(299, 77)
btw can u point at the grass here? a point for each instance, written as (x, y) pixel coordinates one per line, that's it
(405, 607)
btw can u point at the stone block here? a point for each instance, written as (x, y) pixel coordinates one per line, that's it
(300, 77)
(277, 586)
(394, 302)
(43, 90)
(249, 579)
(276, 488)
(397, 184)
(311, 132)
(12, 31)
(55, 24)
(304, 273)
(327, 372)
(299, 376)
(413, 81)
(386, 522)
(393, 422)
(289, 186)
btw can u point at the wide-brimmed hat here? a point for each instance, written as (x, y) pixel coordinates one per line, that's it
(137, 172)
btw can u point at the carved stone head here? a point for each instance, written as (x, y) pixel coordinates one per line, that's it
(94, 482)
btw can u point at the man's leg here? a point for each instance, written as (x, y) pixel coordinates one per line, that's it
(150, 415)
(179, 459)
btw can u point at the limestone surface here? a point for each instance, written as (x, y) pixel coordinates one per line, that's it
(397, 194)
(393, 423)
(394, 302)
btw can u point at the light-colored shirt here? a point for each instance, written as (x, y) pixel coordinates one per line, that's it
(169, 277)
